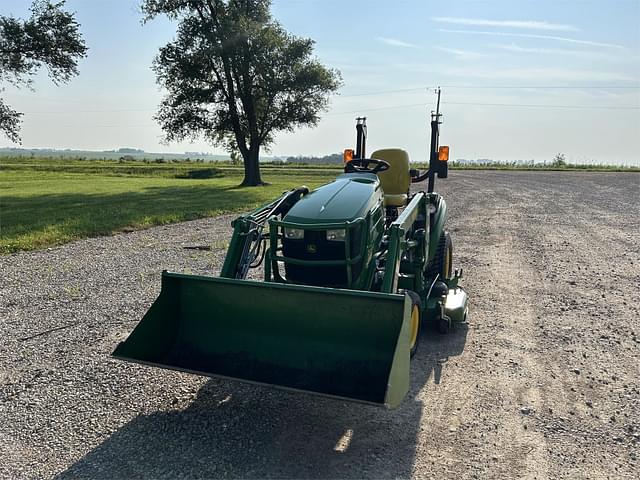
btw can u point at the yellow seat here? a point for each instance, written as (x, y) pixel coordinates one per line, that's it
(395, 181)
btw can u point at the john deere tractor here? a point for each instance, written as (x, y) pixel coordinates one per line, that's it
(352, 274)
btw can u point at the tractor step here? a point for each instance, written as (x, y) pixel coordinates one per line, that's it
(455, 305)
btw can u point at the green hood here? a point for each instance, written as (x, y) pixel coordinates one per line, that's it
(350, 196)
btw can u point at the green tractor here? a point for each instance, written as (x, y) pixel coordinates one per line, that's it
(352, 273)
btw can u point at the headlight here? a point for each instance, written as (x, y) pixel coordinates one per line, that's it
(294, 233)
(336, 235)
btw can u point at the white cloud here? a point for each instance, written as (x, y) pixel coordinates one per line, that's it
(530, 24)
(533, 35)
(548, 51)
(462, 54)
(395, 42)
(542, 74)
(586, 54)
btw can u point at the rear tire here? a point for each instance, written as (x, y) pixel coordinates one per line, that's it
(416, 321)
(442, 262)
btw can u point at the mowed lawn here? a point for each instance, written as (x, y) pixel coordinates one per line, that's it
(45, 202)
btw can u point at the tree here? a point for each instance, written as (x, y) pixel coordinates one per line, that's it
(234, 156)
(235, 77)
(559, 160)
(51, 38)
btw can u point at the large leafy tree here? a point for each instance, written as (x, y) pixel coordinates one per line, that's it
(50, 38)
(235, 77)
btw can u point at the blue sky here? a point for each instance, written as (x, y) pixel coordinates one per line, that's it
(492, 58)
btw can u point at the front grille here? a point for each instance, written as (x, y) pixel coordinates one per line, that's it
(315, 246)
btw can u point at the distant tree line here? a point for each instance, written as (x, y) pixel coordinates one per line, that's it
(333, 158)
(558, 161)
(130, 150)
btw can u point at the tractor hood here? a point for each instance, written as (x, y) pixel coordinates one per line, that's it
(350, 196)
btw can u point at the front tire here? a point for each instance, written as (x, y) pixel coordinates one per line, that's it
(442, 263)
(416, 321)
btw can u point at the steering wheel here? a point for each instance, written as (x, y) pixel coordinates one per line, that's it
(361, 165)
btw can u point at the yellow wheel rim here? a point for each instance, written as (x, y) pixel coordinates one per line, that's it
(447, 264)
(415, 324)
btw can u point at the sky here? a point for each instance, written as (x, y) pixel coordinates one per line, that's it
(521, 80)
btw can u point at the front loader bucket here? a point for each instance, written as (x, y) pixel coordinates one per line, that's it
(341, 343)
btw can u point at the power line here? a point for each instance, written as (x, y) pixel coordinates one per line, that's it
(144, 125)
(572, 87)
(498, 87)
(524, 105)
(404, 90)
(604, 107)
(386, 91)
(390, 107)
(118, 110)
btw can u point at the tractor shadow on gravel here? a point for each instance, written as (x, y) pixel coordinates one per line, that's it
(237, 430)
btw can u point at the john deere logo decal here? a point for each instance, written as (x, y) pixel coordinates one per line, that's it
(311, 248)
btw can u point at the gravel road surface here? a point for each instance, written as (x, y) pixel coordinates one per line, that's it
(543, 383)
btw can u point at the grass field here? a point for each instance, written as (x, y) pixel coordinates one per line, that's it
(49, 201)
(46, 202)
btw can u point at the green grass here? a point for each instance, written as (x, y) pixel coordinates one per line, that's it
(49, 202)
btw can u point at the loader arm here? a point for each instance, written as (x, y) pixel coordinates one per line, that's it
(247, 244)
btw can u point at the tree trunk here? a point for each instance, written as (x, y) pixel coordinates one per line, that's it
(252, 168)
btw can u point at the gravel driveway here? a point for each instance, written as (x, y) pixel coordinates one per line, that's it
(543, 383)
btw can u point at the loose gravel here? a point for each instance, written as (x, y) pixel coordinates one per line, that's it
(543, 383)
